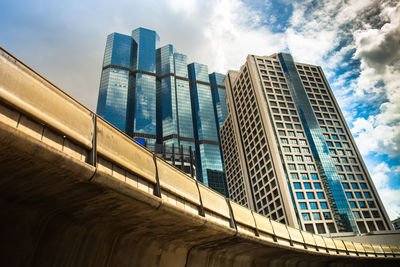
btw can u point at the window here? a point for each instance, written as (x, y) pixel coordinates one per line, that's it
(363, 185)
(366, 214)
(353, 204)
(313, 205)
(358, 195)
(294, 176)
(303, 205)
(323, 205)
(314, 176)
(306, 216)
(345, 186)
(354, 185)
(292, 167)
(304, 176)
(316, 216)
(317, 186)
(286, 149)
(299, 195)
(289, 158)
(327, 215)
(310, 195)
(362, 204)
(367, 195)
(320, 195)
(371, 204)
(356, 214)
(297, 185)
(307, 186)
(311, 167)
(349, 195)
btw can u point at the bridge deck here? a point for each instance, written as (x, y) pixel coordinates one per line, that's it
(75, 191)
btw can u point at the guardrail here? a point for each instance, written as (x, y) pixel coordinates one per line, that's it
(37, 107)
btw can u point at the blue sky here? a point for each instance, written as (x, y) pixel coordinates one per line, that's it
(357, 43)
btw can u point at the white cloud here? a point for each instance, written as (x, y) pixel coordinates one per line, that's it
(389, 196)
(379, 53)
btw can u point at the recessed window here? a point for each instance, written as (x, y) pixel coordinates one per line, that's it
(303, 205)
(310, 195)
(313, 205)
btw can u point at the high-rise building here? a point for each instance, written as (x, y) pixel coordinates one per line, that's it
(289, 153)
(172, 108)
(208, 152)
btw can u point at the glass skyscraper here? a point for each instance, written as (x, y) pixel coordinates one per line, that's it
(151, 94)
(114, 84)
(208, 154)
(289, 153)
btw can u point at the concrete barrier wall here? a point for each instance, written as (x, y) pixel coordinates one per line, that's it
(37, 108)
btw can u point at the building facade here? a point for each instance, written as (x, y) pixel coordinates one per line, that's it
(155, 97)
(298, 161)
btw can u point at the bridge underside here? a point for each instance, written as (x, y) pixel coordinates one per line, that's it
(56, 211)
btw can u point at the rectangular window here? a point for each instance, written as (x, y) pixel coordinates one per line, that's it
(303, 205)
(317, 186)
(297, 185)
(310, 195)
(323, 205)
(300, 195)
(316, 216)
(306, 216)
(313, 205)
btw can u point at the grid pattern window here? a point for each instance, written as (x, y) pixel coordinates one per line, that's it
(145, 104)
(112, 103)
(184, 109)
(233, 170)
(262, 175)
(145, 57)
(299, 162)
(354, 179)
(118, 50)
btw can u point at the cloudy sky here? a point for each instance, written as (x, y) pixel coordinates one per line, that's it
(357, 43)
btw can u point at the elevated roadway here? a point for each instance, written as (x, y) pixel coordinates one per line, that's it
(75, 191)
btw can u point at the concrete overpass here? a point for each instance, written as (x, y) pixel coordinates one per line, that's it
(75, 191)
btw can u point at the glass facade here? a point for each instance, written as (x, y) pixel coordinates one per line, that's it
(146, 92)
(144, 79)
(208, 152)
(173, 93)
(336, 196)
(114, 83)
(219, 96)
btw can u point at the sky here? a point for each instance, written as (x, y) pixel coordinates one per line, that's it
(357, 43)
